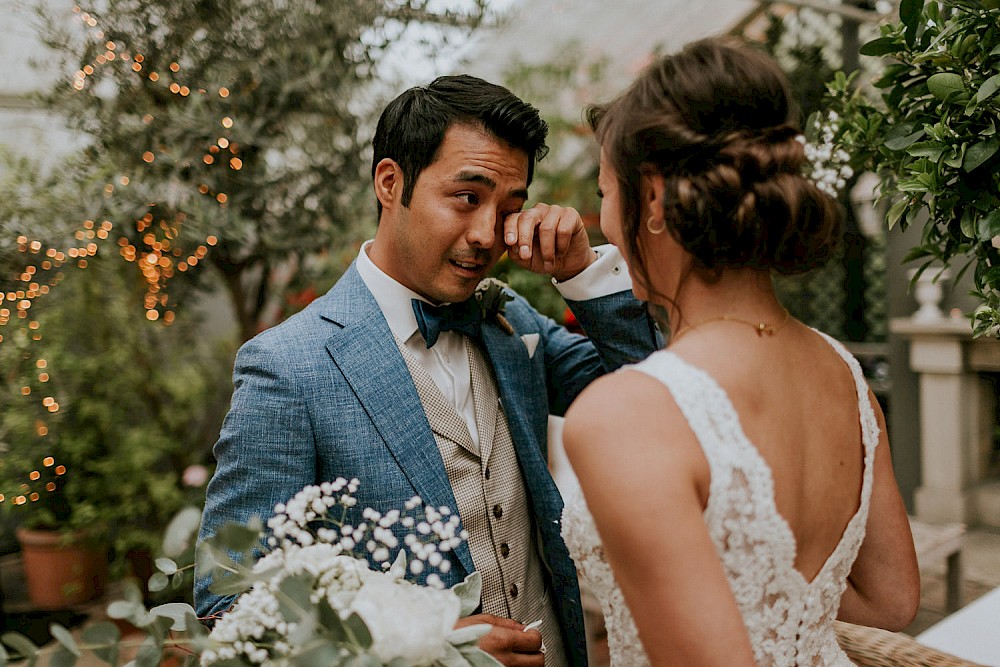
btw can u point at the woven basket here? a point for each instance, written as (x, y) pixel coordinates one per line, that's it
(872, 647)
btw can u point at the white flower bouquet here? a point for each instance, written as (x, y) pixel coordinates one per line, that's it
(311, 598)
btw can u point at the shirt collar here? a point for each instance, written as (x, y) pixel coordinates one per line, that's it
(393, 298)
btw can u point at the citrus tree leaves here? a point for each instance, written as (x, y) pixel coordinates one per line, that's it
(932, 136)
(946, 86)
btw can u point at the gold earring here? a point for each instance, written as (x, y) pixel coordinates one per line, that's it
(655, 230)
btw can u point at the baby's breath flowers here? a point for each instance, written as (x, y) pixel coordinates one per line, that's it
(827, 163)
(308, 519)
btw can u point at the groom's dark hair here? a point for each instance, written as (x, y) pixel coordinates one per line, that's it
(412, 127)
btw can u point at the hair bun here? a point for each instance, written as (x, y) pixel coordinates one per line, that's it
(716, 121)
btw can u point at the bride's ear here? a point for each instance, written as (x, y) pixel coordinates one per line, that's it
(652, 190)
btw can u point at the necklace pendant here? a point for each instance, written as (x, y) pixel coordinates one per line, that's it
(762, 329)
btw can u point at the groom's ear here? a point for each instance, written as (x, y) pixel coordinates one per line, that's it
(388, 183)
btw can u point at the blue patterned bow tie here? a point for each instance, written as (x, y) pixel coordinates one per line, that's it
(465, 317)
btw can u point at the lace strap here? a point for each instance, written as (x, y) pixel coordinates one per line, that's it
(707, 409)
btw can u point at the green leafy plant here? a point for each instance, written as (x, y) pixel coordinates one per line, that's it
(932, 137)
(104, 411)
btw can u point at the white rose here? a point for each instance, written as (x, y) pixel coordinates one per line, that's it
(406, 621)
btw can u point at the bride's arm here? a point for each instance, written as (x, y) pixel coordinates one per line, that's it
(646, 493)
(883, 589)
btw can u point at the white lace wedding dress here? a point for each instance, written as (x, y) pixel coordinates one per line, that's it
(790, 620)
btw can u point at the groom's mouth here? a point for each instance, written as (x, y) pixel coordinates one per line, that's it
(469, 269)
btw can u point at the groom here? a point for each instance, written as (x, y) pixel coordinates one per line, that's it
(374, 381)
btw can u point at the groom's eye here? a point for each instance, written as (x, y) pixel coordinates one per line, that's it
(600, 193)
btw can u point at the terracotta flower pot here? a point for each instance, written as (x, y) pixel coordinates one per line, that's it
(61, 575)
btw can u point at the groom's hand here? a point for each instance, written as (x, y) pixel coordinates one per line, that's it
(507, 641)
(548, 239)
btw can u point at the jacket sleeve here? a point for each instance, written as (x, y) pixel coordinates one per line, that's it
(619, 330)
(619, 326)
(265, 453)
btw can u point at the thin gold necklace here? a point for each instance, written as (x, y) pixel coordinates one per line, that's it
(762, 328)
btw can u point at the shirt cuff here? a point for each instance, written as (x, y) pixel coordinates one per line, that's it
(607, 275)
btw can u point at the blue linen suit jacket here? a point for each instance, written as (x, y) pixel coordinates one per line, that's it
(327, 394)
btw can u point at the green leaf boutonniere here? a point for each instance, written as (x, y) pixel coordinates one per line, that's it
(493, 296)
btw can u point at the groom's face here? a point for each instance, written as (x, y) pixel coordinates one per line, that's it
(444, 243)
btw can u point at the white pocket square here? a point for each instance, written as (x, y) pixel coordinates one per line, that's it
(531, 342)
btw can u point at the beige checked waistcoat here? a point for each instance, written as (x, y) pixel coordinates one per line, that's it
(492, 500)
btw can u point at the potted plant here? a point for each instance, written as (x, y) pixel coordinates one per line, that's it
(101, 418)
(932, 137)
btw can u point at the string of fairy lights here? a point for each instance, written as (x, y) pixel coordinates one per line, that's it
(159, 253)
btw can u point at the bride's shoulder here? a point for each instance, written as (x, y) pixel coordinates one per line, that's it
(624, 405)
(627, 426)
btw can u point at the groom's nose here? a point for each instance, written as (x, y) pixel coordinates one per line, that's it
(483, 228)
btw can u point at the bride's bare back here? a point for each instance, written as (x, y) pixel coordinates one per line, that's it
(797, 404)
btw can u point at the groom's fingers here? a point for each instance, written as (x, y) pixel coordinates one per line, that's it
(508, 642)
(540, 238)
(514, 648)
(553, 233)
(519, 233)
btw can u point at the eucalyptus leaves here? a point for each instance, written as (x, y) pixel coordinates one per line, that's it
(933, 139)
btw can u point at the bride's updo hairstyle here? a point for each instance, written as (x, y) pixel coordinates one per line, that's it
(716, 121)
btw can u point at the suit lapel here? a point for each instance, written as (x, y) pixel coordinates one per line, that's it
(365, 351)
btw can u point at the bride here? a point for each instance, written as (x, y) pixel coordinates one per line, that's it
(737, 486)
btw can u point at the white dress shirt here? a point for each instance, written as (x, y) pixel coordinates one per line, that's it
(447, 362)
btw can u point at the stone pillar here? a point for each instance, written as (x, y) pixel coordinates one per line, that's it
(957, 415)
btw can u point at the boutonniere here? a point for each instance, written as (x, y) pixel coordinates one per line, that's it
(493, 296)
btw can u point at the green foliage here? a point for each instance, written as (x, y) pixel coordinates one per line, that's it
(933, 136)
(47, 205)
(322, 624)
(174, 578)
(245, 120)
(135, 409)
